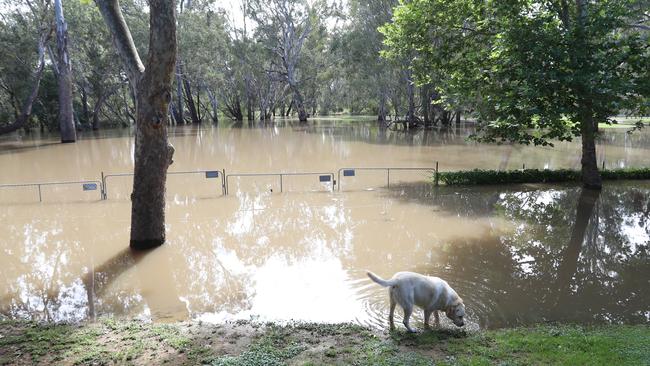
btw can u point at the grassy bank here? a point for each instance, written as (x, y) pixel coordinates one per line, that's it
(486, 177)
(133, 342)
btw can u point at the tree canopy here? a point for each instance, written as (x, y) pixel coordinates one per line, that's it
(533, 71)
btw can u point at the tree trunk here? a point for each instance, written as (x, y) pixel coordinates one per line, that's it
(410, 88)
(191, 106)
(381, 114)
(424, 97)
(300, 106)
(458, 117)
(180, 118)
(214, 103)
(152, 87)
(84, 105)
(289, 109)
(66, 121)
(590, 175)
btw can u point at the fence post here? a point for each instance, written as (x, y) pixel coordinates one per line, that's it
(280, 183)
(603, 164)
(388, 177)
(435, 176)
(223, 182)
(103, 187)
(40, 199)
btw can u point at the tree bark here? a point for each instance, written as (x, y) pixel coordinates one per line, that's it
(214, 103)
(300, 105)
(590, 175)
(179, 93)
(191, 106)
(410, 88)
(152, 87)
(66, 121)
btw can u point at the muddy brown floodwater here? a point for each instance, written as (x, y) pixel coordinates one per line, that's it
(516, 254)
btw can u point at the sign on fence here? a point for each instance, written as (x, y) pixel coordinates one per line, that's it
(90, 186)
(212, 174)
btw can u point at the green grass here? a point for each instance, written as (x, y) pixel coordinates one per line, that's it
(557, 345)
(134, 342)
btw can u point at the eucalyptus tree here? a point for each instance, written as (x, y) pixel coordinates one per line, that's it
(283, 26)
(534, 71)
(151, 85)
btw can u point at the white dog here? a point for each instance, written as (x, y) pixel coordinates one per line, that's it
(429, 293)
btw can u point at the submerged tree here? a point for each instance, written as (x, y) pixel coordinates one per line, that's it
(151, 86)
(534, 71)
(284, 27)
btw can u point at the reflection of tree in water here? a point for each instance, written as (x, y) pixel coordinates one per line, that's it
(575, 255)
(36, 282)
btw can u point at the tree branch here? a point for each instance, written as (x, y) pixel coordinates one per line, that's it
(110, 10)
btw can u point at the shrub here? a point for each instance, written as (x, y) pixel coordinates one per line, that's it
(484, 177)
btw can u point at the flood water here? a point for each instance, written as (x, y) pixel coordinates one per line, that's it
(517, 254)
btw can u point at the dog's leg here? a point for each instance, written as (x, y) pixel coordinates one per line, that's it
(437, 317)
(392, 312)
(408, 310)
(427, 316)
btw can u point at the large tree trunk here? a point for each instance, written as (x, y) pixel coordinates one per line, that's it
(66, 121)
(590, 175)
(26, 110)
(152, 87)
(300, 105)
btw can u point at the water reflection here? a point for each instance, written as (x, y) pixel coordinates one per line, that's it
(575, 255)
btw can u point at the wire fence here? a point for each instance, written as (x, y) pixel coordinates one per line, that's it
(325, 180)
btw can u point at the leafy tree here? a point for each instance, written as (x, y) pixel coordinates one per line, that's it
(535, 71)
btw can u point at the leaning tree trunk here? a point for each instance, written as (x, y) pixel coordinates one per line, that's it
(152, 87)
(66, 121)
(191, 106)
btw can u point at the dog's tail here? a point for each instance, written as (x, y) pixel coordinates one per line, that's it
(379, 280)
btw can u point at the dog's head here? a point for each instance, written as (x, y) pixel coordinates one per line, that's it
(456, 312)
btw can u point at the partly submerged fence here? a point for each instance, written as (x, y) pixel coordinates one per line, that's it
(85, 185)
(209, 174)
(326, 179)
(323, 178)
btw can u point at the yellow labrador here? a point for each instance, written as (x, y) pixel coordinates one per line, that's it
(429, 293)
